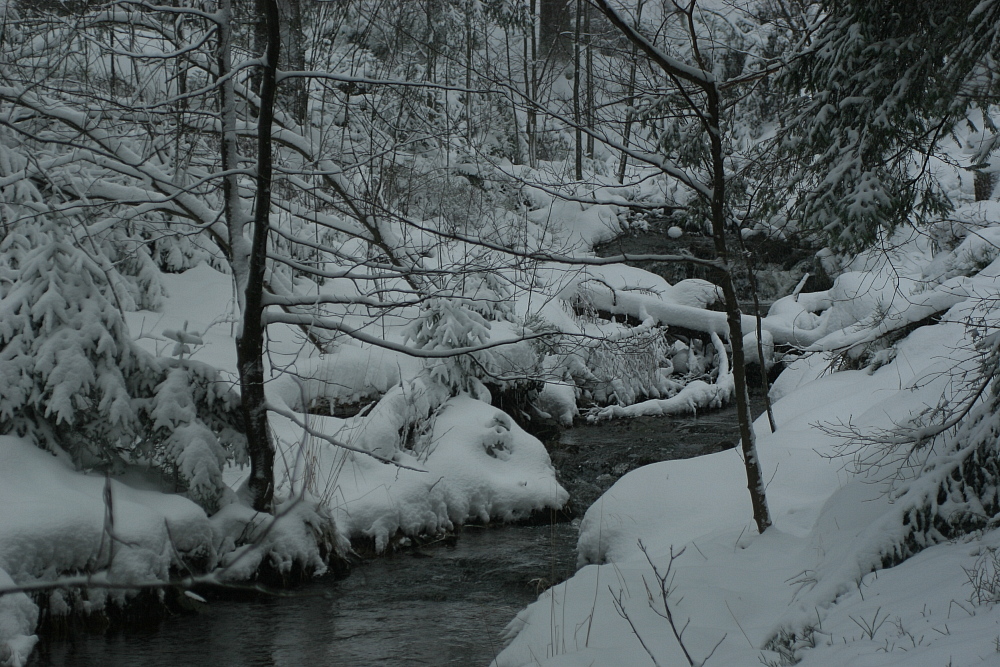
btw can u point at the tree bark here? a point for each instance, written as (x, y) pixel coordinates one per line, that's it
(577, 117)
(629, 92)
(553, 20)
(748, 439)
(250, 342)
(697, 76)
(295, 93)
(588, 107)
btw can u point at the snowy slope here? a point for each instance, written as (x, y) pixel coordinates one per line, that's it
(810, 587)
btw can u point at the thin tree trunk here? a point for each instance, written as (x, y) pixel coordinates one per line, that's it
(295, 97)
(469, 100)
(232, 205)
(577, 119)
(752, 273)
(516, 158)
(711, 117)
(589, 100)
(250, 343)
(748, 440)
(627, 131)
(531, 70)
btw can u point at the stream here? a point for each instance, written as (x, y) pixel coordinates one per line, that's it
(441, 604)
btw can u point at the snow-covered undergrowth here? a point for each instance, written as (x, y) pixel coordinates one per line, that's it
(856, 484)
(99, 535)
(425, 453)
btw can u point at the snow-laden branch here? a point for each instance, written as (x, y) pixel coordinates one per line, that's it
(678, 68)
(308, 430)
(562, 258)
(337, 324)
(402, 83)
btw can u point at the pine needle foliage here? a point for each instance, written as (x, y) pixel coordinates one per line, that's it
(881, 85)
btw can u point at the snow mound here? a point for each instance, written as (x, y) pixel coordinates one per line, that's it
(56, 521)
(473, 463)
(813, 587)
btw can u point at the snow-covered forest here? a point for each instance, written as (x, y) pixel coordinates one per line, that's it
(284, 282)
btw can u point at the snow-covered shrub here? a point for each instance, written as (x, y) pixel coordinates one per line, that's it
(65, 355)
(633, 367)
(466, 320)
(73, 381)
(947, 459)
(446, 324)
(192, 428)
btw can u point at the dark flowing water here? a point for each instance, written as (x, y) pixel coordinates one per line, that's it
(445, 605)
(440, 605)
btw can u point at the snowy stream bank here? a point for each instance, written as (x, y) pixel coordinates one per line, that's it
(445, 604)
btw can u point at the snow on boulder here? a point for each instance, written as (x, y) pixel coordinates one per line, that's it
(577, 226)
(472, 463)
(694, 292)
(558, 400)
(752, 355)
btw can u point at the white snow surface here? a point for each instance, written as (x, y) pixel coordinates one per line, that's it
(813, 578)
(53, 523)
(419, 461)
(474, 464)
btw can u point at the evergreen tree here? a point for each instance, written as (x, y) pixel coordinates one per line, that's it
(73, 381)
(879, 86)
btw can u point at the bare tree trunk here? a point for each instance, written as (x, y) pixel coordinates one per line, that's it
(577, 117)
(764, 385)
(250, 342)
(235, 216)
(469, 99)
(531, 74)
(553, 28)
(748, 439)
(589, 101)
(629, 92)
(295, 96)
(697, 77)
(516, 158)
